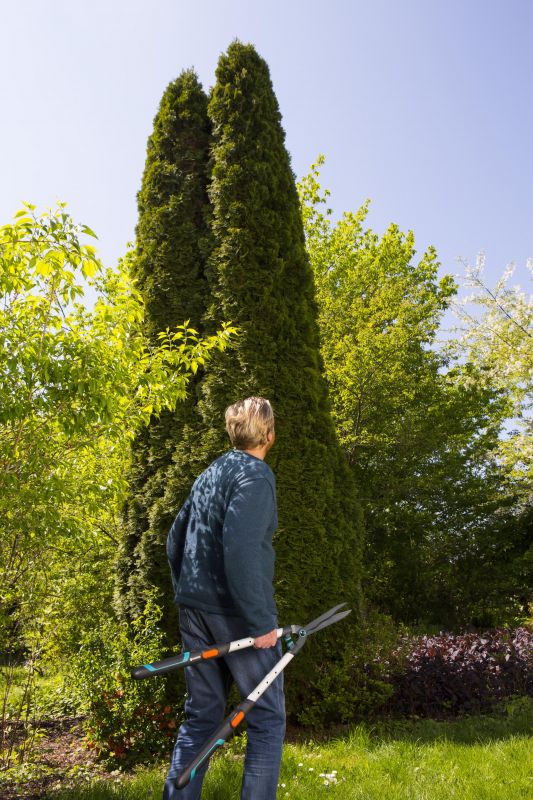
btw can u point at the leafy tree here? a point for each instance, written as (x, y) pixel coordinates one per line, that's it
(419, 429)
(500, 341)
(260, 279)
(495, 334)
(77, 386)
(169, 267)
(378, 316)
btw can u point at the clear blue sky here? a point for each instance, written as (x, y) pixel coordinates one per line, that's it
(424, 106)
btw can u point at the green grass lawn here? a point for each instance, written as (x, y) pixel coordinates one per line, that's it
(475, 758)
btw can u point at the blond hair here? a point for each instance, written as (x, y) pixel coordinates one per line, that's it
(249, 421)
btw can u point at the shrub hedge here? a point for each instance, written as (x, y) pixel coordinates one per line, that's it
(452, 674)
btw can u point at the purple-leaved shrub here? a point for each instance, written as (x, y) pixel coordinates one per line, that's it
(452, 674)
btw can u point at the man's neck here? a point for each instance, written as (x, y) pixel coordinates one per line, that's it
(258, 452)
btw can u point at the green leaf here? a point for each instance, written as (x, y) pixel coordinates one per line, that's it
(88, 231)
(43, 268)
(88, 269)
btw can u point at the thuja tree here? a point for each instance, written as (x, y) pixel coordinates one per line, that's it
(261, 280)
(171, 244)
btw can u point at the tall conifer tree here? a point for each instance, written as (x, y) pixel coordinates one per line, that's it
(261, 280)
(169, 265)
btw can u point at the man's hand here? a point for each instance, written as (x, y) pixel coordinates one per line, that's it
(267, 640)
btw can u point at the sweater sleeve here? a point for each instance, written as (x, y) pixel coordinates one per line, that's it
(176, 542)
(245, 531)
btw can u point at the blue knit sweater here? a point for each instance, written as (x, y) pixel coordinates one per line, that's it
(220, 544)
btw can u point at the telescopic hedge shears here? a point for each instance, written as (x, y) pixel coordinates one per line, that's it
(234, 719)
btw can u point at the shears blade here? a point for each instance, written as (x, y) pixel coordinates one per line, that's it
(328, 618)
(328, 621)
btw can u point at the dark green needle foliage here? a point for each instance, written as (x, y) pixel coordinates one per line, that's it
(261, 280)
(169, 265)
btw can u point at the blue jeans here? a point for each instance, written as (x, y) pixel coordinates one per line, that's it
(207, 690)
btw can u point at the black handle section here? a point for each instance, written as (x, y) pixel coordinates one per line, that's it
(218, 739)
(158, 667)
(181, 660)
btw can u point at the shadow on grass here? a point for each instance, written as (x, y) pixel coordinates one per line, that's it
(509, 718)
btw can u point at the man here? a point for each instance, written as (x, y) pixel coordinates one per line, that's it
(222, 566)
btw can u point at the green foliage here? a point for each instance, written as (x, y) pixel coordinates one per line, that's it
(258, 275)
(261, 279)
(378, 314)
(18, 726)
(355, 686)
(51, 698)
(77, 385)
(494, 343)
(172, 231)
(419, 428)
(127, 721)
(169, 266)
(499, 341)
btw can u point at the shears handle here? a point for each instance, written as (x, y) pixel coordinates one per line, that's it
(198, 656)
(226, 729)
